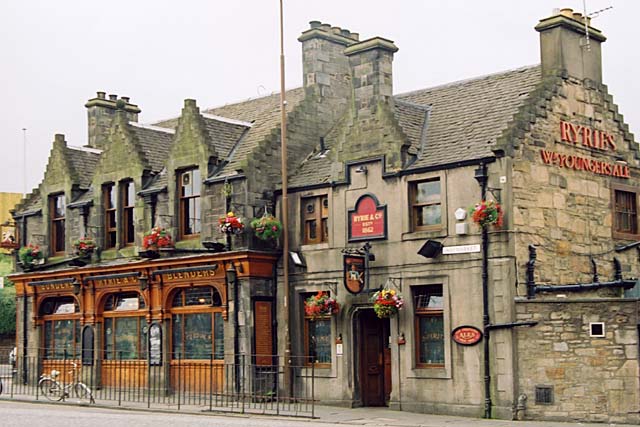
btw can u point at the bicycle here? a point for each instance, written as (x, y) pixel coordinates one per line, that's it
(56, 391)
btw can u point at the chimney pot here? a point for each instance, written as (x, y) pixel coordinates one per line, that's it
(336, 30)
(315, 24)
(577, 16)
(126, 99)
(101, 95)
(346, 33)
(567, 11)
(113, 97)
(325, 27)
(355, 36)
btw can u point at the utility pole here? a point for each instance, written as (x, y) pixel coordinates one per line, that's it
(24, 162)
(285, 208)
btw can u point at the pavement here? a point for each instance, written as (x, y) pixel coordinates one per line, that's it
(324, 416)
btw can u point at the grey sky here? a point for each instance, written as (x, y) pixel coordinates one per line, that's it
(55, 55)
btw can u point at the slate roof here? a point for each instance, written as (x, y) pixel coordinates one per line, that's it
(446, 124)
(83, 162)
(84, 199)
(468, 116)
(154, 142)
(264, 113)
(223, 135)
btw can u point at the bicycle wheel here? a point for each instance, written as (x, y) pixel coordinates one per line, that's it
(84, 393)
(51, 389)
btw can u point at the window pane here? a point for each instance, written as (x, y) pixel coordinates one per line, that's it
(178, 350)
(431, 340)
(108, 339)
(625, 215)
(129, 220)
(59, 233)
(320, 340)
(48, 339)
(429, 215)
(128, 302)
(218, 336)
(78, 346)
(195, 182)
(144, 338)
(428, 192)
(198, 296)
(63, 338)
(126, 338)
(130, 194)
(197, 336)
(311, 227)
(193, 210)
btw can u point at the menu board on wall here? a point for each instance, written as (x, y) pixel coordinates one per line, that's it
(155, 345)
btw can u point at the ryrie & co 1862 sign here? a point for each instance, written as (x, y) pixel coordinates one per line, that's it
(466, 335)
(368, 220)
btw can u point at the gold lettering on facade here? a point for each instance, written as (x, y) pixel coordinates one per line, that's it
(196, 274)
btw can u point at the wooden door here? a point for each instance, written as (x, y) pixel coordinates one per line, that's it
(374, 364)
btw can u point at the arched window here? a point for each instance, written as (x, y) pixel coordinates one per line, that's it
(196, 323)
(125, 327)
(61, 327)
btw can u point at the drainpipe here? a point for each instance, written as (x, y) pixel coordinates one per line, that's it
(24, 334)
(481, 176)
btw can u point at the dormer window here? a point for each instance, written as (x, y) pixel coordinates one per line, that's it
(57, 214)
(189, 182)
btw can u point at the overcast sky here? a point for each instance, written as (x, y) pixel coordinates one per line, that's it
(55, 55)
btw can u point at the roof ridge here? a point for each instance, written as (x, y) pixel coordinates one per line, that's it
(85, 149)
(226, 120)
(152, 127)
(469, 80)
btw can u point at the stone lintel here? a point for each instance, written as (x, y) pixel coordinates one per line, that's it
(369, 44)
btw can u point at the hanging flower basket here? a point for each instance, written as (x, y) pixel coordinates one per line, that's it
(30, 255)
(267, 228)
(230, 224)
(84, 247)
(487, 213)
(321, 304)
(387, 303)
(157, 238)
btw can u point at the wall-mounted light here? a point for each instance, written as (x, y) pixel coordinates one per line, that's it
(361, 169)
(76, 287)
(231, 273)
(430, 249)
(297, 259)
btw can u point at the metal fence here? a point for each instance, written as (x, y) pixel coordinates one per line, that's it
(233, 384)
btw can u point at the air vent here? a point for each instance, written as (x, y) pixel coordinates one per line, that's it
(596, 329)
(544, 395)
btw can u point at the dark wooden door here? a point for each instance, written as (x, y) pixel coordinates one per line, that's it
(373, 360)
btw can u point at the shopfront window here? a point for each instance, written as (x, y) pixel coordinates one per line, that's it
(197, 324)
(125, 327)
(429, 326)
(317, 338)
(61, 328)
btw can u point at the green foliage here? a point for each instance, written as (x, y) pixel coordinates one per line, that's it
(8, 310)
(267, 227)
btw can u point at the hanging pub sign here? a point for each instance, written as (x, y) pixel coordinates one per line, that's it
(466, 335)
(354, 273)
(368, 220)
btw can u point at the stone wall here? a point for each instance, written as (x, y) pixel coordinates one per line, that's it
(593, 379)
(567, 213)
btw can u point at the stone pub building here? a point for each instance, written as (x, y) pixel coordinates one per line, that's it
(535, 319)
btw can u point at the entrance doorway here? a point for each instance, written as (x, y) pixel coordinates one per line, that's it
(374, 360)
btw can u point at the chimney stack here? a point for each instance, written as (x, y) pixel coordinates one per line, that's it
(326, 69)
(564, 45)
(371, 74)
(101, 112)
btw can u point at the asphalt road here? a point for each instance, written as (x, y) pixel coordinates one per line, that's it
(14, 414)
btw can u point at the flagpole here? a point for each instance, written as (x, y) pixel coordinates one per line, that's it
(285, 208)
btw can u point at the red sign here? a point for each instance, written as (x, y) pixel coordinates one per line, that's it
(466, 335)
(368, 220)
(588, 137)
